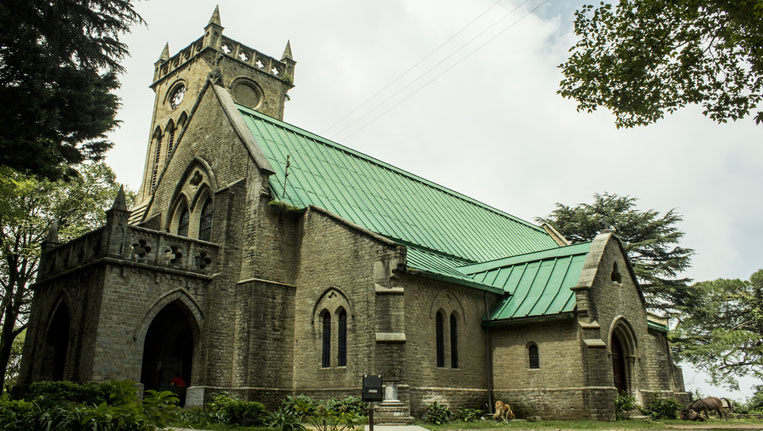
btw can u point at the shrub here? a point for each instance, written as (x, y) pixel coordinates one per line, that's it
(126, 412)
(663, 408)
(437, 414)
(624, 402)
(469, 415)
(326, 419)
(246, 413)
(349, 404)
(284, 420)
(302, 405)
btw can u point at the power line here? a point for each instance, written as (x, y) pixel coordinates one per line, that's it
(423, 59)
(427, 71)
(444, 71)
(412, 67)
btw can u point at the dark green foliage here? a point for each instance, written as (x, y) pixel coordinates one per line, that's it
(437, 414)
(469, 415)
(663, 408)
(104, 406)
(324, 418)
(302, 405)
(348, 404)
(755, 403)
(59, 62)
(624, 402)
(284, 420)
(643, 58)
(226, 408)
(651, 241)
(721, 330)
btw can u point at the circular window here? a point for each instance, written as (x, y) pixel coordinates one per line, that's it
(177, 96)
(247, 93)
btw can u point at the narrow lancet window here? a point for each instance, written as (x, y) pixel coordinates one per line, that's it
(183, 223)
(326, 353)
(440, 339)
(453, 341)
(342, 339)
(205, 221)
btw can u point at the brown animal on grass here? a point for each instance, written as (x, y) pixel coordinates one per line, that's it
(691, 415)
(503, 411)
(708, 404)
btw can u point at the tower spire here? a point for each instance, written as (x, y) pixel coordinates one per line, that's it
(120, 203)
(165, 53)
(287, 52)
(215, 17)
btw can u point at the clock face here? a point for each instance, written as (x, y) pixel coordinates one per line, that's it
(177, 96)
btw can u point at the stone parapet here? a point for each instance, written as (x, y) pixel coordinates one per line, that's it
(133, 244)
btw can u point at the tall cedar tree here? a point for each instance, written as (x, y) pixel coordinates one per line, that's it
(643, 58)
(59, 62)
(651, 241)
(721, 331)
(28, 208)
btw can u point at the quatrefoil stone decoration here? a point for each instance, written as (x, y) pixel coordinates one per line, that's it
(203, 260)
(140, 249)
(173, 254)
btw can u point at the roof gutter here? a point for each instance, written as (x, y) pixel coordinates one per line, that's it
(527, 320)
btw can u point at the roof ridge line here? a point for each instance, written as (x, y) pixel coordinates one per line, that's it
(391, 167)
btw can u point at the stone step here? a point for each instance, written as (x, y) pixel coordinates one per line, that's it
(396, 420)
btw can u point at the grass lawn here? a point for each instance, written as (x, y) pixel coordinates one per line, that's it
(712, 424)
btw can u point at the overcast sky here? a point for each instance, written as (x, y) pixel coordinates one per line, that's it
(480, 115)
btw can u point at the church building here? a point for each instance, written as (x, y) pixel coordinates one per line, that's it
(266, 260)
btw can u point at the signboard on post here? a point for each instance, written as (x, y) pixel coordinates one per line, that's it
(372, 388)
(372, 391)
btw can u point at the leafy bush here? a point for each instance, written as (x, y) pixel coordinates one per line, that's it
(227, 408)
(246, 413)
(469, 415)
(663, 408)
(326, 419)
(284, 420)
(437, 413)
(120, 408)
(349, 404)
(624, 402)
(302, 405)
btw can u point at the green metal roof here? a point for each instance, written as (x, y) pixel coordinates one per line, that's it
(537, 284)
(446, 227)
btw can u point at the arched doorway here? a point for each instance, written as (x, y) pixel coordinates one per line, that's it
(168, 347)
(56, 344)
(623, 347)
(618, 364)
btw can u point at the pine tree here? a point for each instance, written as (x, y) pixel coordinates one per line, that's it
(651, 240)
(59, 62)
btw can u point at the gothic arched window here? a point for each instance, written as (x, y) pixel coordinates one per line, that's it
(453, 341)
(170, 130)
(326, 351)
(183, 222)
(532, 352)
(342, 338)
(439, 330)
(205, 221)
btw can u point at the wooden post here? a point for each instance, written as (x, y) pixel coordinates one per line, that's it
(371, 417)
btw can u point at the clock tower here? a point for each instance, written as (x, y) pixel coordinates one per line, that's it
(255, 80)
